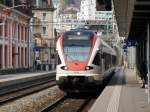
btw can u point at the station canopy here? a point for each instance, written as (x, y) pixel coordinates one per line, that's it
(132, 16)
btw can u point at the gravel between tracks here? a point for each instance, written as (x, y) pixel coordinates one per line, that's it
(69, 105)
(33, 103)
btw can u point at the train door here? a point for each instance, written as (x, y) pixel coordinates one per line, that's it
(102, 63)
(97, 63)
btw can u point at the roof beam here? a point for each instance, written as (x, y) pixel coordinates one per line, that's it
(142, 11)
(142, 15)
(142, 3)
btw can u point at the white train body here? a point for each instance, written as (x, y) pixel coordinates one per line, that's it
(81, 60)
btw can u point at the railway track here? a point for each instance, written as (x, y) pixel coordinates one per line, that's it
(75, 103)
(27, 88)
(68, 103)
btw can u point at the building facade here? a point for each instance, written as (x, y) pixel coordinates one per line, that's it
(14, 39)
(67, 19)
(87, 10)
(43, 35)
(99, 19)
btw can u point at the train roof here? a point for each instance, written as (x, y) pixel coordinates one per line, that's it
(106, 48)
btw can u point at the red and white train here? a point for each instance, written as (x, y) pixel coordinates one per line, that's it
(83, 58)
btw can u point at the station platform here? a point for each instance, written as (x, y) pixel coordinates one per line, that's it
(14, 82)
(9, 77)
(122, 94)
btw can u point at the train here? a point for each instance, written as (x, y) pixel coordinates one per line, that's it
(83, 59)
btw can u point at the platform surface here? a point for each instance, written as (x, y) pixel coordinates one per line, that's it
(122, 94)
(9, 77)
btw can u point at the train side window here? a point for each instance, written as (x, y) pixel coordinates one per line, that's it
(102, 55)
(53, 56)
(58, 60)
(96, 60)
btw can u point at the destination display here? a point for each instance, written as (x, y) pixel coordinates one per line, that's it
(77, 37)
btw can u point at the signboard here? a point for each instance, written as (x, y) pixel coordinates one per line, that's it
(37, 54)
(130, 43)
(124, 46)
(36, 49)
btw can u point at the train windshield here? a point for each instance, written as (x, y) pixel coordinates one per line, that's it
(77, 46)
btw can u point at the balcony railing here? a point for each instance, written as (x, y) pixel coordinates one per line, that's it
(44, 43)
(43, 7)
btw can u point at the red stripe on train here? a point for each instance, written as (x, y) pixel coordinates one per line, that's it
(76, 66)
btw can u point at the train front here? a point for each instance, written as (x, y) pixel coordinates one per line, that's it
(75, 70)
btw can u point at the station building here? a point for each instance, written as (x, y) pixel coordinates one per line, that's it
(14, 39)
(43, 35)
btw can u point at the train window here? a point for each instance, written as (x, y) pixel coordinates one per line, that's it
(96, 60)
(102, 55)
(53, 56)
(78, 38)
(107, 61)
(58, 60)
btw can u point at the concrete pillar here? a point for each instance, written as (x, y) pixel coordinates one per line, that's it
(17, 56)
(3, 46)
(20, 58)
(24, 57)
(19, 33)
(24, 31)
(132, 56)
(11, 37)
(3, 56)
(7, 50)
(29, 34)
(148, 58)
(37, 3)
(25, 34)
(19, 41)
(148, 48)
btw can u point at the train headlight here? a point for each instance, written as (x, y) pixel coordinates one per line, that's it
(87, 68)
(64, 67)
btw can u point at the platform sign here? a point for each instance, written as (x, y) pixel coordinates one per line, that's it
(36, 49)
(36, 52)
(124, 46)
(131, 43)
(125, 41)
